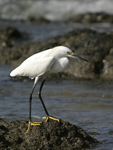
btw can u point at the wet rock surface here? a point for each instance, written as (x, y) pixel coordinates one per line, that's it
(51, 135)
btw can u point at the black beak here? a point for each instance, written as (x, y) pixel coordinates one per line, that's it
(76, 56)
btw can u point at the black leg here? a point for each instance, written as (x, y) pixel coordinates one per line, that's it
(39, 94)
(30, 99)
(47, 114)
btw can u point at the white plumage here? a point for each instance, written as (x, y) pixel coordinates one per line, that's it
(49, 61)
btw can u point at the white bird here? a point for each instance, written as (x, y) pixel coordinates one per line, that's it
(53, 60)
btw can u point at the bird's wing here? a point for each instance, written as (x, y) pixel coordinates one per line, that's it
(34, 67)
(37, 55)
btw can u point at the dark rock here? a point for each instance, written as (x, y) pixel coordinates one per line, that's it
(10, 36)
(86, 18)
(95, 47)
(51, 135)
(38, 20)
(93, 18)
(9, 32)
(107, 71)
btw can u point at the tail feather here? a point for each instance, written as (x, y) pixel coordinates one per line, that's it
(15, 72)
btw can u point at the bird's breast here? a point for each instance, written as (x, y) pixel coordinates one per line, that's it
(59, 65)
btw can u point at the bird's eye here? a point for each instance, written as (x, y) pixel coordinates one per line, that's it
(69, 53)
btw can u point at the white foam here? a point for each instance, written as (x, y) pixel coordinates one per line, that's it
(52, 10)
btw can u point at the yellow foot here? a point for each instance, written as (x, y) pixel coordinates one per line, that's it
(33, 124)
(50, 117)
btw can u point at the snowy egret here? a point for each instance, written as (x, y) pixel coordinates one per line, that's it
(53, 60)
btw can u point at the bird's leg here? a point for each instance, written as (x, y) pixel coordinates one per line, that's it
(30, 100)
(39, 94)
(47, 114)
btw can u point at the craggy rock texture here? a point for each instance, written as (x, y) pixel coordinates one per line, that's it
(11, 37)
(51, 135)
(95, 47)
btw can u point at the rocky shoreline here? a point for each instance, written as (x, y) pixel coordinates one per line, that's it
(95, 47)
(86, 18)
(50, 135)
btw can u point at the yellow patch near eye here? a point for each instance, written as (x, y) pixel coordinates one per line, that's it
(69, 53)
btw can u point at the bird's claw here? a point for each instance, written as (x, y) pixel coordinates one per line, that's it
(33, 124)
(50, 117)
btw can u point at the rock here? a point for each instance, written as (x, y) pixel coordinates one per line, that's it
(10, 36)
(95, 47)
(39, 20)
(93, 18)
(107, 71)
(86, 18)
(51, 135)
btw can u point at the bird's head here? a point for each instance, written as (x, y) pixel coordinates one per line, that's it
(71, 54)
(66, 52)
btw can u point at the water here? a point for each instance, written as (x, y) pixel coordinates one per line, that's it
(44, 31)
(47, 31)
(88, 104)
(52, 10)
(57, 10)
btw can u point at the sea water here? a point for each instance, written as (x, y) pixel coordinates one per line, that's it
(88, 104)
